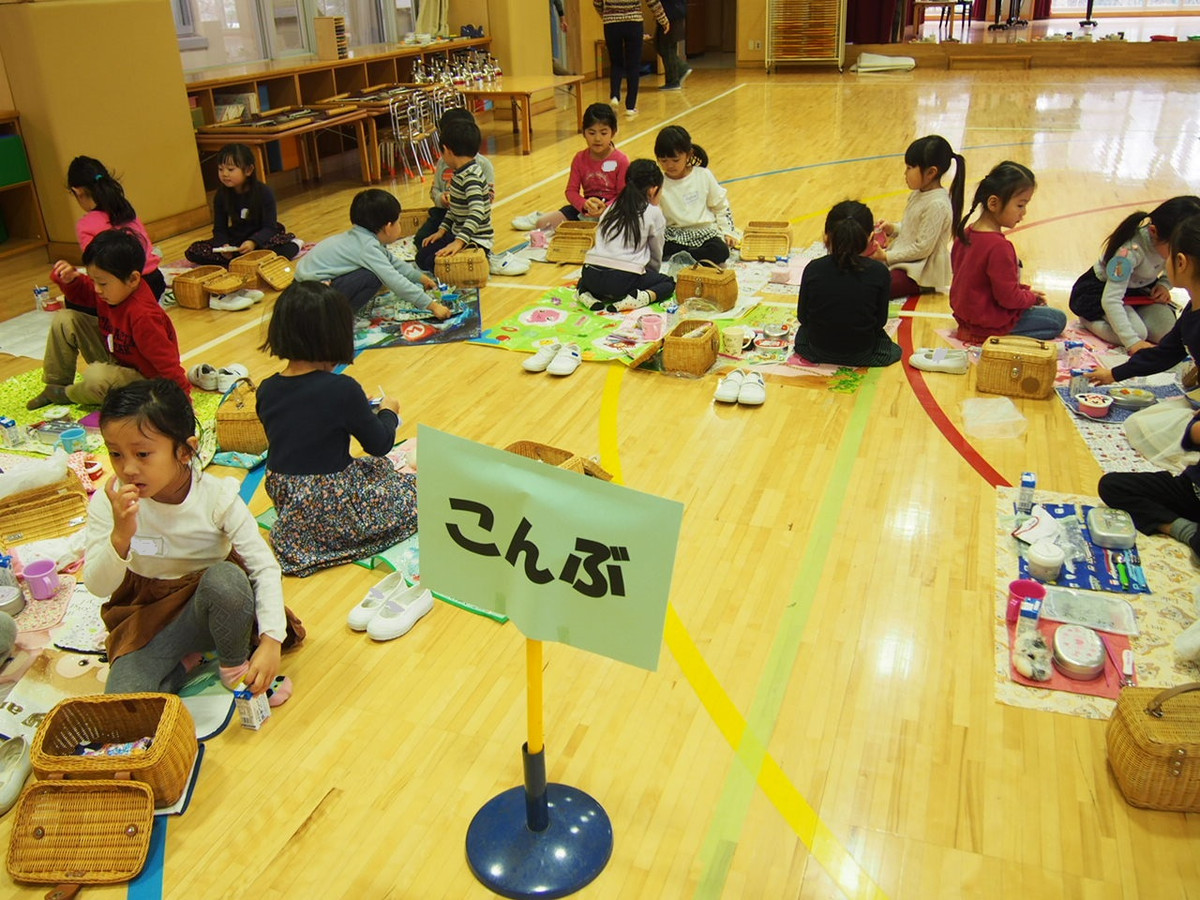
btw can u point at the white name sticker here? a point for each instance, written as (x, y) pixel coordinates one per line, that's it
(146, 546)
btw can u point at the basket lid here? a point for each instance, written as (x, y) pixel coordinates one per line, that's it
(277, 272)
(81, 832)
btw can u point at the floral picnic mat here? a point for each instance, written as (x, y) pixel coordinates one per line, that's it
(389, 322)
(1160, 616)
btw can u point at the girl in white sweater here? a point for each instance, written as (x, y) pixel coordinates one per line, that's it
(699, 220)
(918, 250)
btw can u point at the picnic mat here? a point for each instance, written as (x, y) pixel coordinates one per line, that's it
(1117, 414)
(389, 322)
(26, 334)
(1112, 571)
(1160, 616)
(15, 391)
(1094, 353)
(42, 671)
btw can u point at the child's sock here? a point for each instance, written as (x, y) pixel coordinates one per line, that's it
(1183, 530)
(279, 691)
(231, 675)
(634, 301)
(51, 393)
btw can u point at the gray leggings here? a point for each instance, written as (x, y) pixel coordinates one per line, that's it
(219, 617)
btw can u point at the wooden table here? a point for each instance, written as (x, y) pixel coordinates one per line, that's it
(256, 139)
(518, 89)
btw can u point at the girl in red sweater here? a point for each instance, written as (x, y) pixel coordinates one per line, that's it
(986, 293)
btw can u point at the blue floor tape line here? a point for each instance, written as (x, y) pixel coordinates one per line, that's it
(149, 883)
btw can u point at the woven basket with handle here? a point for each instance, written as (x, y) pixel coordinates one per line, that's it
(1154, 746)
(708, 283)
(562, 459)
(766, 240)
(467, 268)
(691, 347)
(193, 287)
(239, 430)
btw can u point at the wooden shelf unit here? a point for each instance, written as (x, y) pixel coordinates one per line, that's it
(331, 37)
(19, 207)
(805, 32)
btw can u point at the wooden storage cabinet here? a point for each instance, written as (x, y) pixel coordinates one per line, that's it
(20, 212)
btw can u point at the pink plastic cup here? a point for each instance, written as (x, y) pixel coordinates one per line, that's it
(41, 576)
(652, 326)
(1018, 592)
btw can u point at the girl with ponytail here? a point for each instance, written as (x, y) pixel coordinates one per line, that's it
(105, 206)
(1125, 298)
(843, 302)
(987, 295)
(918, 248)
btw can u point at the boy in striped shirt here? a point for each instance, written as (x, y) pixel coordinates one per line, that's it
(468, 221)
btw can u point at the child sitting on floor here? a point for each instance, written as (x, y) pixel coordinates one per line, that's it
(597, 174)
(439, 190)
(1125, 298)
(333, 507)
(356, 263)
(160, 538)
(844, 296)
(699, 221)
(105, 206)
(918, 251)
(115, 324)
(468, 221)
(244, 215)
(621, 271)
(986, 295)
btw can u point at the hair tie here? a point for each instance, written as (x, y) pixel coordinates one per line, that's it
(98, 177)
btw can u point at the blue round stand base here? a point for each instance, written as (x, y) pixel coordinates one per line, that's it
(514, 861)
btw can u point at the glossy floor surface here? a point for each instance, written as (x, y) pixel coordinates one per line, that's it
(822, 721)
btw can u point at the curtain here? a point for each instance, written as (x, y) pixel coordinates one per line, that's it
(433, 17)
(870, 21)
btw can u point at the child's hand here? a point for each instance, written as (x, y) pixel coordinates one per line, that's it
(731, 240)
(124, 501)
(390, 403)
(264, 665)
(436, 236)
(439, 309)
(1160, 294)
(247, 246)
(593, 206)
(1101, 376)
(446, 199)
(451, 248)
(1140, 345)
(887, 228)
(1040, 298)
(428, 283)
(64, 272)
(879, 253)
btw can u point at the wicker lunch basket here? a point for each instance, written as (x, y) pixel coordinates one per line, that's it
(55, 510)
(193, 287)
(691, 347)
(266, 266)
(71, 833)
(560, 459)
(411, 221)
(766, 240)
(239, 430)
(706, 283)
(1153, 742)
(119, 718)
(571, 242)
(247, 264)
(467, 268)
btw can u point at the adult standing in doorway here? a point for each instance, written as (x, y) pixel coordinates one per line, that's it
(670, 45)
(623, 37)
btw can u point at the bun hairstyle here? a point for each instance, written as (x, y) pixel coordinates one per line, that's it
(935, 151)
(673, 140)
(1165, 218)
(1005, 180)
(848, 230)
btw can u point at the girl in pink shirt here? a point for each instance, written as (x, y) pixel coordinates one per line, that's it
(105, 206)
(597, 174)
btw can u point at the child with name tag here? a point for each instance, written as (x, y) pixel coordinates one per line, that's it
(1125, 298)
(699, 220)
(179, 556)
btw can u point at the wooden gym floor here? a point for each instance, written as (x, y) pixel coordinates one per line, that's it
(822, 722)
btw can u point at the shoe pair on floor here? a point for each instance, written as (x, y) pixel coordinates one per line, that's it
(555, 358)
(208, 378)
(390, 609)
(741, 386)
(236, 301)
(940, 360)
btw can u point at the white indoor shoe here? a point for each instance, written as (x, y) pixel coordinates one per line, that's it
(729, 386)
(360, 617)
(234, 302)
(942, 359)
(507, 264)
(229, 375)
(541, 359)
(400, 613)
(753, 391)
(566, 360)
(203, 376)
(527, 223)
(14, 770)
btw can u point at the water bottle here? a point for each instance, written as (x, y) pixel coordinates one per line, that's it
(1075, 351)
(1079, 383)
(41, 293)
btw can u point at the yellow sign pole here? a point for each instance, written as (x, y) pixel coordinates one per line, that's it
(533, 678)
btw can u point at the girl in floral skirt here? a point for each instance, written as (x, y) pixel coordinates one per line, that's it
(332, 507)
